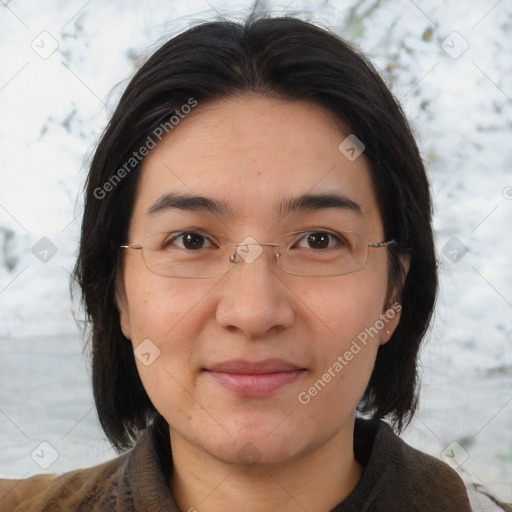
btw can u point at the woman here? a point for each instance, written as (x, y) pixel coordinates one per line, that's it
(257, 264)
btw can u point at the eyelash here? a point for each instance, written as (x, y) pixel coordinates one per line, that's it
(304, 234)
(177, 236)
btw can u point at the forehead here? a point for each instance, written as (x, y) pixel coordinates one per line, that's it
(255, 155)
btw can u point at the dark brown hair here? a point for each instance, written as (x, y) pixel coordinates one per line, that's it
(284, 58)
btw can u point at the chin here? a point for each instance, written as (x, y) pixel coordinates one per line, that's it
(256, 453)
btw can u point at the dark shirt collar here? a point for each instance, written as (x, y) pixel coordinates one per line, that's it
(396, 477)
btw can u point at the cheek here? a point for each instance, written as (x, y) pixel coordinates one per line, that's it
(346, 314)
(165, 331)
(158, 307)
(165, 323)
(345, 306)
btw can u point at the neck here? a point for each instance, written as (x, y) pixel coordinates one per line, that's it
(316, 482)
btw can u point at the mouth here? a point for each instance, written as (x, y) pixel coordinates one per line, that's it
(258, 378)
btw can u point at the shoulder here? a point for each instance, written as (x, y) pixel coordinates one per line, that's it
(65, 492)
(13, 492)
(408, 477)
(135, 480)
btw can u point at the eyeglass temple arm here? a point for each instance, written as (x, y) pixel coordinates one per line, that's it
(381, 244)
(134, 246)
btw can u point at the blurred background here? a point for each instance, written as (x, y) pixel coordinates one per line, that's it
(64, 66)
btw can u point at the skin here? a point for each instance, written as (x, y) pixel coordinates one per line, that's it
(252, 152)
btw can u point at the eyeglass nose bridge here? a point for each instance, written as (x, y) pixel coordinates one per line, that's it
(235, 257)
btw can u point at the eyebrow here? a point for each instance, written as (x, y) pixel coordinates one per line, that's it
(190, 203)
(312, 202)
(302, 203)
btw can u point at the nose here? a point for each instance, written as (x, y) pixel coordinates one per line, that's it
(254, 299)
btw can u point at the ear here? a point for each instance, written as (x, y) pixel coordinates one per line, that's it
(393, 305)
(390, 318)
(122, 307)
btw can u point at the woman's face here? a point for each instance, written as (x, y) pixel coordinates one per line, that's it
(206, 348)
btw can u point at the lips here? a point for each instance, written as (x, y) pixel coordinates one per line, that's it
(255, 378)
(241, 366)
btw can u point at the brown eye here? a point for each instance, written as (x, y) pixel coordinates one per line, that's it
(191, 241)
(318, 240)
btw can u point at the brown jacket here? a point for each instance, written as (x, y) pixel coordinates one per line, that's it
(396, 478)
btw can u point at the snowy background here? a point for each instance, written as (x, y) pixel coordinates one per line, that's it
(449, 63)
